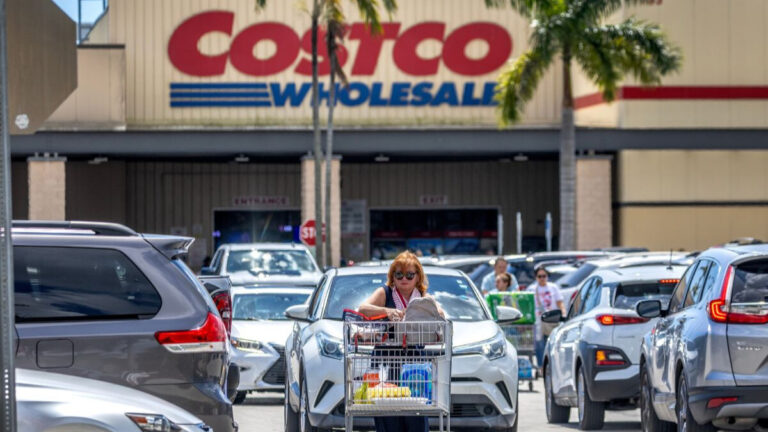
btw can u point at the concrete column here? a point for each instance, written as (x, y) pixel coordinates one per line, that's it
(594, 222)
(47, 187)
(308, 200)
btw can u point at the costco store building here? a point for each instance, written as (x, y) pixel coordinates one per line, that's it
(193, 118)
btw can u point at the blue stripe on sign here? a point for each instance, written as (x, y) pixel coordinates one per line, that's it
(210, 103)
(194, 86)
(219, 95)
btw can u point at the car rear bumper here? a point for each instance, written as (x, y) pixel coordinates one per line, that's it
(750, 406)
(609, 383)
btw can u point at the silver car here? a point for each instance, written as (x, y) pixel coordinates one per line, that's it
(259, 332)
(265, 264)
(704, 365)
(48, 401)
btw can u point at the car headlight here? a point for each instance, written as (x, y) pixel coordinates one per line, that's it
(330, 346)
(248, 345)
(492, 348)
(153, 422)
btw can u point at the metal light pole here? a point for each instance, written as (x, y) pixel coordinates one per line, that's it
(8, 376)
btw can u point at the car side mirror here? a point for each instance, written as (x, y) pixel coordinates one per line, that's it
(298, 312)
(554, 316)
(507, 315)
(207, 271)
(649, 309)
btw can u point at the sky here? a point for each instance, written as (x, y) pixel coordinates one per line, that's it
(90, 8)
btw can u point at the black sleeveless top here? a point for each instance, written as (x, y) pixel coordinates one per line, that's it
(390, 302)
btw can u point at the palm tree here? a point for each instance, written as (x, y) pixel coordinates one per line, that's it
(607, 53)
(335, 27)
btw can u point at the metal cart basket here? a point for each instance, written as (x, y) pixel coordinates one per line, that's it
(521, 336)
(397, 369)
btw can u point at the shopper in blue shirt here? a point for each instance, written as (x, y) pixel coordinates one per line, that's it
(489, 281)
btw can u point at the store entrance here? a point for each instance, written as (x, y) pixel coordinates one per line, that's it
(434, 232)
(252, 226)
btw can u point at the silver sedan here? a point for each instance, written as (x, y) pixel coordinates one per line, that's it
(48, 402)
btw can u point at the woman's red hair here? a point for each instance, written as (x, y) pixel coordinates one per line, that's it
(402, 262)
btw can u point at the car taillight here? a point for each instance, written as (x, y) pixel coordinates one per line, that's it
(605, 357)
(608, 320)
(718, 402)
(210, 337)
(669, 281)
(223, 303)
(720, 311)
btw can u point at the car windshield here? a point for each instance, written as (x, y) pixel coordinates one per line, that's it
(629, 295)
(264, 306)
(269, 262)
(574, 278)
(454, 294)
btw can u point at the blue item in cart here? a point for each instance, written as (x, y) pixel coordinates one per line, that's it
(418, 378)
(524, 368)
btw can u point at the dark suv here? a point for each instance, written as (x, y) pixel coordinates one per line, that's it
(100, 301)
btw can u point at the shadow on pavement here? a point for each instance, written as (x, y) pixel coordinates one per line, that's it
(609, 426)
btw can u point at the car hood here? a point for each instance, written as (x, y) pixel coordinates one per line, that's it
(87, 397)
(245, 278)
(271, 332)
(464, 332)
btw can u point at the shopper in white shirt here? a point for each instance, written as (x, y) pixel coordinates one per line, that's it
(489, 281)
(547, 297)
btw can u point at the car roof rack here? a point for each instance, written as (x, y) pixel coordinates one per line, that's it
(98, 228)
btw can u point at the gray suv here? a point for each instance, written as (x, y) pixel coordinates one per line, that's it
(704, 365)
(100, 301)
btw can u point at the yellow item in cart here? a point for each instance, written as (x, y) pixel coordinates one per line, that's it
(379, 392)
(361, 394)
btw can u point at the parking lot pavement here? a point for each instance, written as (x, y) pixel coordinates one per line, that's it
(264, 412)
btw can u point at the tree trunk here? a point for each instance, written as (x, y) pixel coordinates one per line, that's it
(319, 256)
(329, 151)
(567, 162)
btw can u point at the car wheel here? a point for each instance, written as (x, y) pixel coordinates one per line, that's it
(555, 412)
(530, 386)
(290, 417)
(685, 420)
(304, 424)
(591, 413)
(650, 422)
(240, 397)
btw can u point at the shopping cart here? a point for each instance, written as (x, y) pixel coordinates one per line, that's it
(397, 369)
(521, 333)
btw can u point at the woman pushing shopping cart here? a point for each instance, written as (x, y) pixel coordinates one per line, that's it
(397, 356)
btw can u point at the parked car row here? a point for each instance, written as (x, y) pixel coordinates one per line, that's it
(687, 344)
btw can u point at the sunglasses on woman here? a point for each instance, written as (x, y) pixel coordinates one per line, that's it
(400, 275)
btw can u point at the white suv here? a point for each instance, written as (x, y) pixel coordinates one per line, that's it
(591, 360)
(265, 264)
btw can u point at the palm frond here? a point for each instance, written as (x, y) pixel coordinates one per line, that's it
(593, 11)
(369, 12)
(258, 5)
(516, 85)
(641, 49)
(599, 61)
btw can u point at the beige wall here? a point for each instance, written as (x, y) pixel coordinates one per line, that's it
(99, 101)
(691, 199)
(594, 223)
(47, 189)
(145, 27)
(723, 45)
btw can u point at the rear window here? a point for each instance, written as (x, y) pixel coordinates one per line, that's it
(750, 283)
(629, 295)
(53, 283)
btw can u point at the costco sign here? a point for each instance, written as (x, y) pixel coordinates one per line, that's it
(292, 53)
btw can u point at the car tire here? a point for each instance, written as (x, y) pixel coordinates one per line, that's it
(239, 397)
(290, 417)
(555, 413)
(685, 420)
(649, 421)
(591, 413)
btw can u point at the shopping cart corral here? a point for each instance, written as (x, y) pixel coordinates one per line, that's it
(397, 369)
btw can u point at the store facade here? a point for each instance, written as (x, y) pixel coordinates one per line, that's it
(192, 118)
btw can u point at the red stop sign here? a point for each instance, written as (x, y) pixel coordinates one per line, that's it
(308, 233)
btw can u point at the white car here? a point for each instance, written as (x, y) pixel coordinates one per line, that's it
(48, 401)
(265, 264)
(259, 331)
(484, 366)
(591, 360)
